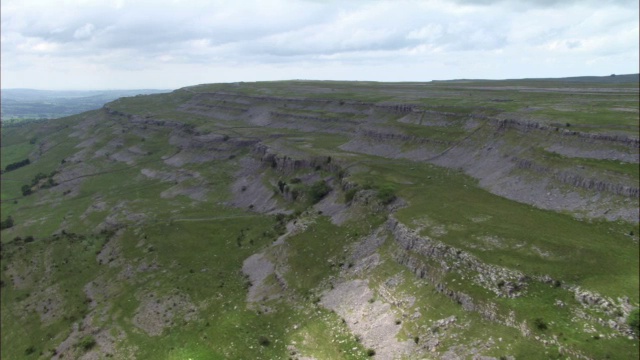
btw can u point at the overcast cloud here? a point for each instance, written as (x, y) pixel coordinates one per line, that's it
(98, 44)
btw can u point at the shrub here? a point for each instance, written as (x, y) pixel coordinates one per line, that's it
(540, 324)
(634, 321)
(86, 343)
(350, 194)
(318, 190)
(386, 194)
(36, 179)
(371, 352)
(17, 165)
(49, 183)
(6, 223)
(26, 190)
(264, 341)
(281, 185)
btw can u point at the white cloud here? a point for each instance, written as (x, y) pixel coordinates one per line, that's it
(139, 43)
(429, 32)
(83, 32)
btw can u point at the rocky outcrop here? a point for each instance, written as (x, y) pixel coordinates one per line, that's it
(383, 136)
(617, 310)
(208, 108)
(597, 185)
(501, 281)
(297, 117)
(577, 180)
(251, 99)
(139, 120)
(484, 148)
(239, 102)
(305, 123)
(434, 275)
(287, 164)
(431, 260)
(397, 108)
(145, 120)
(521, 125)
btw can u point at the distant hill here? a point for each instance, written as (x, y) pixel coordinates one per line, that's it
(50, 104)
(610, 79)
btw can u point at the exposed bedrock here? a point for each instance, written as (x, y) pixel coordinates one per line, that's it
(287, 164)
(578, 180)
(501, 281)
(379, 135)
(431, 260)
(497, 152)
(632, 143)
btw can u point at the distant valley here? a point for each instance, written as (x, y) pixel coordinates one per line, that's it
(21, 104)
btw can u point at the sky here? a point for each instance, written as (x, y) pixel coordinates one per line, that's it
(168, 44)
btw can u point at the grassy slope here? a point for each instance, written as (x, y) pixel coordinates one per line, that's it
(202, 258)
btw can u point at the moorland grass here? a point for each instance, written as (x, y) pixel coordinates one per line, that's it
(194, 242)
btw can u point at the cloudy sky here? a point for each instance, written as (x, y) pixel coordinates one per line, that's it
(120, 44)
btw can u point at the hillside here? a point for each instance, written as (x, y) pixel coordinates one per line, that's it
(327, 220)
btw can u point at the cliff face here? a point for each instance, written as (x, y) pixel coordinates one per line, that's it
(575, 179)
(432, 260)
(503, 154)
(501, 281)
(632, 143)
(288, 165)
